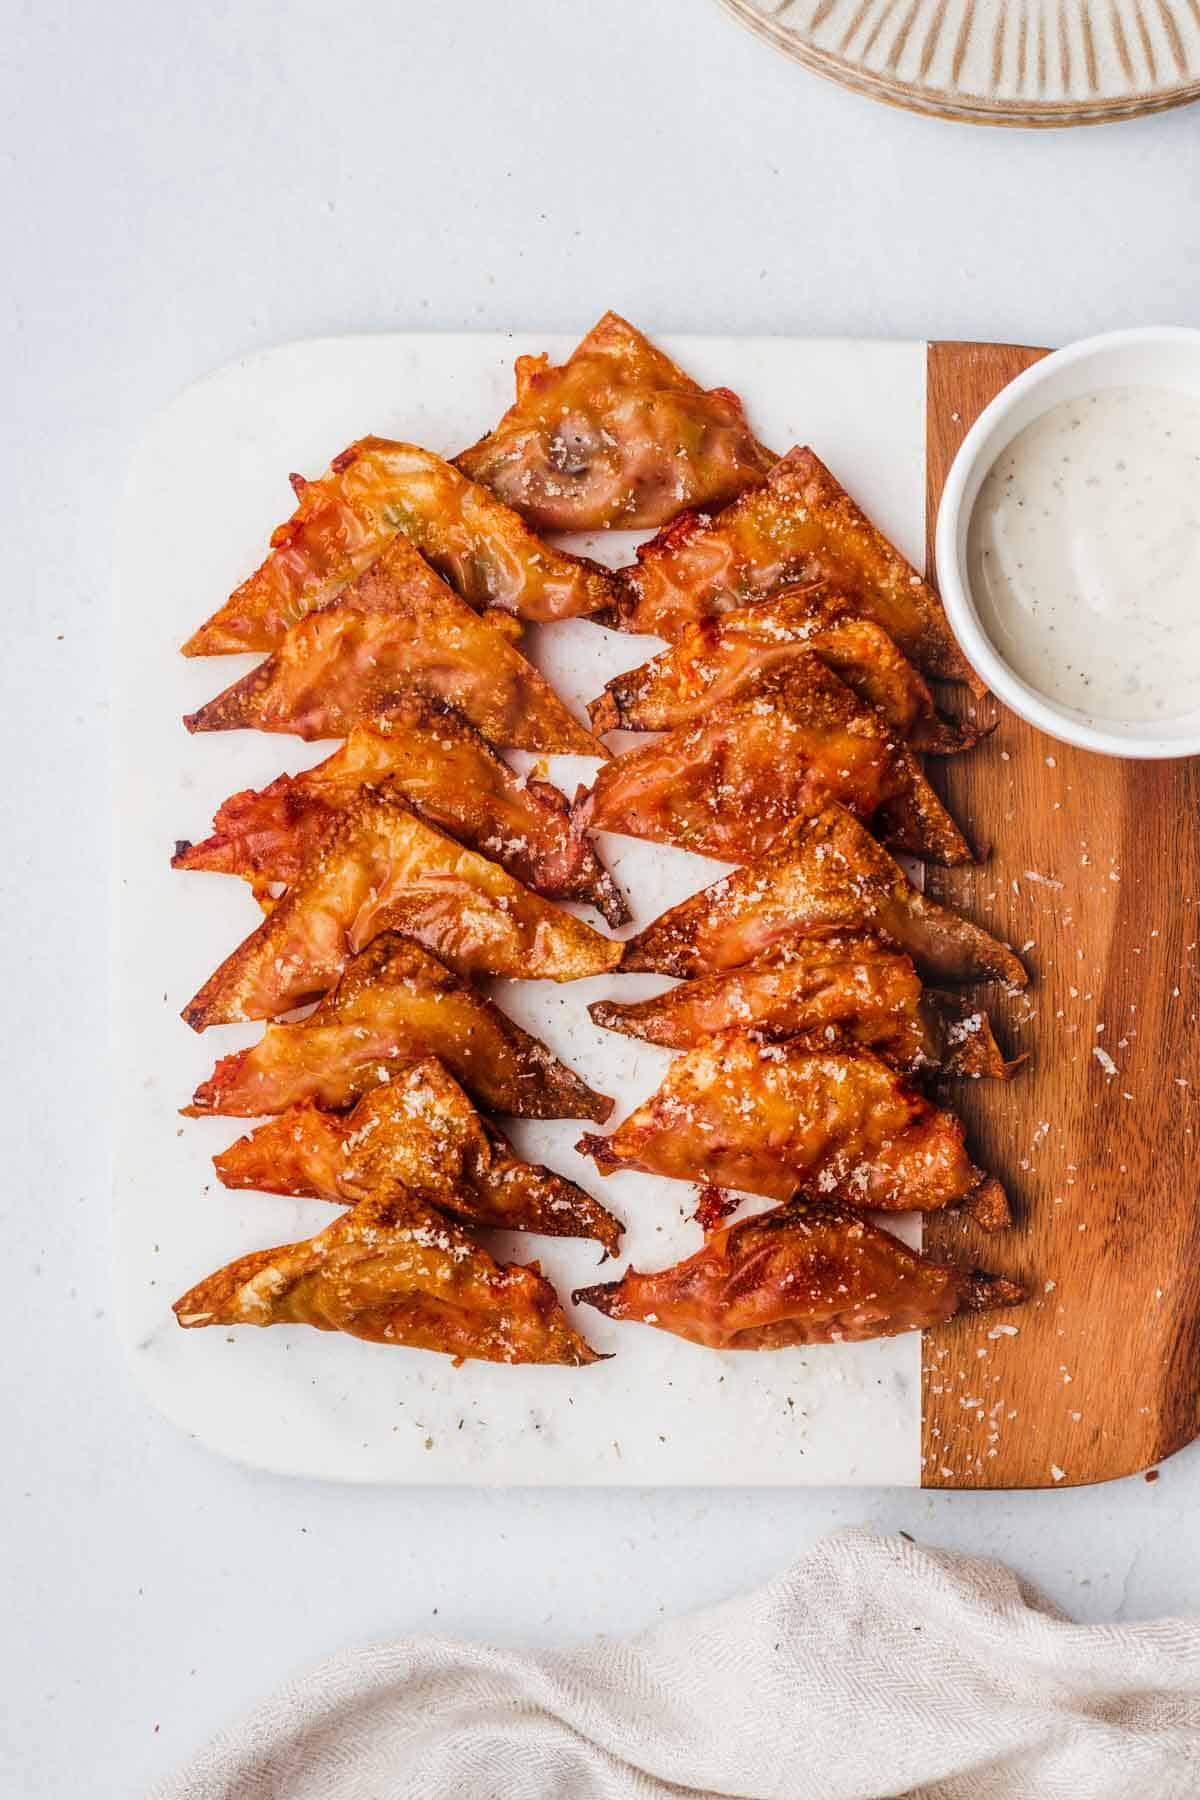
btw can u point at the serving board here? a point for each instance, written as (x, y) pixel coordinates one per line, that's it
(1096, 867)
(205, 489)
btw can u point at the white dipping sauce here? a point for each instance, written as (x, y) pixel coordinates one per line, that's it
(1083, 554)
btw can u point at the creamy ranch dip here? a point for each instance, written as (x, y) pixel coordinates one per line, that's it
(1083, 554)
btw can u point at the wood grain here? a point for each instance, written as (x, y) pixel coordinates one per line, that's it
(1095, 867)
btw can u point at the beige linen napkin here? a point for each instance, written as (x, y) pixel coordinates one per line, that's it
(873, 1668)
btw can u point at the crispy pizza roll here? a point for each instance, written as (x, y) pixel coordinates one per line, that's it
(618, 435)
(383, 868)
(807, 1273)
(396, 630)
(417, 1132)
(785, 740)
(395, 1005)
(393, 1271)
(448, 774)
(714, 657)
(801, 526)
(775, 1118)
(826, 876)
(860, 994)
(371, 491)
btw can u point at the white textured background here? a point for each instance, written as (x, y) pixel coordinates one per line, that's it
(180, 184)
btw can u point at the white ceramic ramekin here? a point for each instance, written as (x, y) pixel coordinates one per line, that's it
(1156, 356)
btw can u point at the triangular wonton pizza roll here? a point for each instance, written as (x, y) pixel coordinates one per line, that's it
(618, 435)
(856, 993)
(785, 740)
(446, 771)
(801, 526)
(807, 1273)
(825, 876)
(713, 657)
(370, 492)
(395, 1005)
(393, 1271)
(775, 1118)
(394, 631)
(383, 868)
(417, 1132)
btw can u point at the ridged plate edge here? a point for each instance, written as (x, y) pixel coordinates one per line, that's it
(968, 109)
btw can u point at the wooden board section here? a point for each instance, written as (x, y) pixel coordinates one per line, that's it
(1095, 868)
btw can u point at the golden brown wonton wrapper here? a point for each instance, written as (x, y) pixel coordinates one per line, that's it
(417, 1132)
(714, 657)
(393, 1271)
(618, 435)
(861, 994)
(448, 774)
(810, 1272)
(826, 876)
(781, 1117)
(785, 740)
(801, 526)
(395, 1005)
(396, 630)
(383, 868)
(343, 520)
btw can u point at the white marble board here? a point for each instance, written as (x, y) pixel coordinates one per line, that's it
(205, 489)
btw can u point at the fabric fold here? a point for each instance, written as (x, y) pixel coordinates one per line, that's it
(872, 1668)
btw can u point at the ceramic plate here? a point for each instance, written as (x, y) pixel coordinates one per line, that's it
(995, 62)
